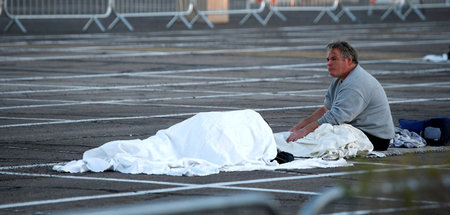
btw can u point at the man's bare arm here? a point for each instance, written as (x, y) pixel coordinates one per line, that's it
(303, 131)
(313, 117)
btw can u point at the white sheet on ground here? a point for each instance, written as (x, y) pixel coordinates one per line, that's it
(201, 145)
(210, 142)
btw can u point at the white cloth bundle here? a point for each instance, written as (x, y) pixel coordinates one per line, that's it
(328, 142)
(436, 58)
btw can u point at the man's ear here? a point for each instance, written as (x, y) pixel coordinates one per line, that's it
(349, 61)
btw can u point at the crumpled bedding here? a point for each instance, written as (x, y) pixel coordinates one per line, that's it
(407, 139)
(328, 142)
(211, 142)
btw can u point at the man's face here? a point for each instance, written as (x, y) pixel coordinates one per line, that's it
(337, 66)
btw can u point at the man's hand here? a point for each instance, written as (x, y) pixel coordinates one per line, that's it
(297, 135)
(312, 119)
(300, 133)
(293, 129)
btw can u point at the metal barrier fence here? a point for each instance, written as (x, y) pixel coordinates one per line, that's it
(416, 5)
(152, 8)
(389, 6)
(93, 10)
(17, 10)
(247, 7)
(324, 6)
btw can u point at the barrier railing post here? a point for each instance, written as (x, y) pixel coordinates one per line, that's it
(235, 7)
(416, 6)
(277, 6)
(274, 11)
(329, 13)
(17, 22)
(182, 17)
(254, 13)
(93, 20)
(396, 9)
(17, 10)
(390, 6)
(123, 9)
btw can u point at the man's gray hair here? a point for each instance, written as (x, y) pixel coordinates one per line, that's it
(347, 51)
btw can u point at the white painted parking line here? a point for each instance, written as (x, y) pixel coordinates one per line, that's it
(418, 100)
(97, 120)
(429, 84)
(29, 118)
(38, 85)
(143, 101)
(196, 106)
(217, 51)
(26, 166)
(380, 164)
(198, 41)
(224, 69)
(73, 177)
(231, 94)
(182, 84)
(185, 84)
(163, 72)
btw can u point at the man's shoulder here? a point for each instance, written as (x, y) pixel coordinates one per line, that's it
(359, 71)
(359, 76)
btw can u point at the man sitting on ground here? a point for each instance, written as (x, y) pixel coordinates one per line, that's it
(354, 97)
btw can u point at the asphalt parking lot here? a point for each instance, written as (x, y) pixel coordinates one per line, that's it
(64, 92)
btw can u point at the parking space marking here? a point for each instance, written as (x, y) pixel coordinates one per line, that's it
(185, 84)
(163, 72)
(121, 180)
(204, 41)
(224, 69)
(27, 166)
(162, 99)
(97, 120)
(217, 51)
(177, 84)
(417, 100)
(29, 118)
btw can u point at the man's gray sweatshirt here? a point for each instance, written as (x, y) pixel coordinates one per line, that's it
(360, 101)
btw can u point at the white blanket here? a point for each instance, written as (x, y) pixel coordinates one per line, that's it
(201, 145)
(208, 143)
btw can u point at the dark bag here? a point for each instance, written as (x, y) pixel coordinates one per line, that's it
(412, 125)
(284, 157)
(436, 131)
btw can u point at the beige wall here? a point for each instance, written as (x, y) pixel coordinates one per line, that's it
(210, 5)
(218, 5)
